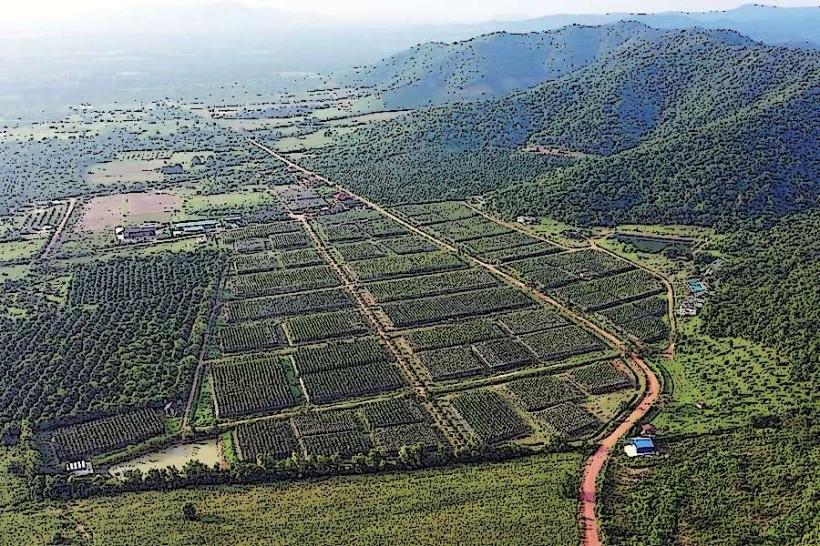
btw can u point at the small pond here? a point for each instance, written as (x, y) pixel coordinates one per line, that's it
(206, 452)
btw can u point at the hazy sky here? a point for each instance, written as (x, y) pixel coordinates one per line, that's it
(34, 11)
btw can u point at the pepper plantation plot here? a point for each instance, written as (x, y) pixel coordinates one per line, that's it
(342, 332)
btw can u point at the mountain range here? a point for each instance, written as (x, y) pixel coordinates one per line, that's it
(697, 126)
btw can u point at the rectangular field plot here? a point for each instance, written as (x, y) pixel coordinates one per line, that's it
(284, 306)
(260, 231)
(248, 336)
(642, 319)
(448, 335)
(589, 263)
(390, 267)
(340, 384)
(467, 229)
(568, 419)
(535, 320)
(503, 354)
(353, 216)
(394, 411)
(271, 283)
(607, 291)
(307, 328)
(506, 240)
(562, 342)
(601, 377)
(361, 250)
(339, 354)
(648, 329)
(325, 422)
(358, 231)
(431, 285)
(408, 244)
(108, 434)
(393, 438)
(434, 213)
(442, 308)
(543, 391)
(249, 384)
(342, 370)
(344, 444)
(254, 263)
(252, 246)
(268, 437)
(451, 363)
(300, 258)
(534, 248)
(490, 417)
(289, 241)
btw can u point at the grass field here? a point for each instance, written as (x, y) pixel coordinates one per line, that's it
(207, 204)
(517, 502)
(737, 380)
(24, 249)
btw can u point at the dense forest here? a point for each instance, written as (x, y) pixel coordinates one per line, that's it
(768, 289)
(689, 126)
(128, 337)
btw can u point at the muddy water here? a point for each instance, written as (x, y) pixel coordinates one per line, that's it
(206, 452)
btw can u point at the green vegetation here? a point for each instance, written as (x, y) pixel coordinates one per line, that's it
(491, 502)
(128, 338)
(767, 290)
(753, 485)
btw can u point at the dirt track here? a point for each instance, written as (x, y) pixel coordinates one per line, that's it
(589, 521)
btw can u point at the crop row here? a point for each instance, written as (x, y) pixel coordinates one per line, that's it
(434, 213)
(336, 324)
(535, 248)
(289, 305)
(256, 231)
(267, 437)
(562, 342)
(408, 244)
(568, 418)
(441, 308)
(459, 333)
(339, 354)
(542, 391)
(389, 267)
(604, 292)
(251, 384)
(246, 336)
(332, 385)
(491, 418)
(467, 229)
(103, 435)
(600, 377)
(431, 285)
(284, 281)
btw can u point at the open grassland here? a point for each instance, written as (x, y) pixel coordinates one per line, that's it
(736, 379)
(519, 502)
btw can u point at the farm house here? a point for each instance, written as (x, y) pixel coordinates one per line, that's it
(639, 447)
(79, 468)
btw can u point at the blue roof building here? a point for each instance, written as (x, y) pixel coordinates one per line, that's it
(639, 447)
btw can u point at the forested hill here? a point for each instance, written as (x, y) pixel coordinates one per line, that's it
(491, 65)
(690, 126)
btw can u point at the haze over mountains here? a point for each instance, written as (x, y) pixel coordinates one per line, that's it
(194, 51)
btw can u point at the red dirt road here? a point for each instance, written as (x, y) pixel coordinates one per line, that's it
(592, 469)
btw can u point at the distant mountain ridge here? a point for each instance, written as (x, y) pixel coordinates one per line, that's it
(692, 126)
(491, 65)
